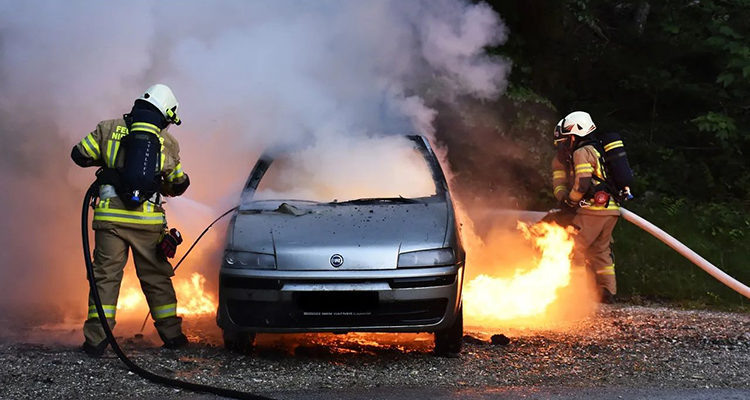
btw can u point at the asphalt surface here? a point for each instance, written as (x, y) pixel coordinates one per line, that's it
(623, 351)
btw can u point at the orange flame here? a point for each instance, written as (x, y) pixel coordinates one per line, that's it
(130, 299)
(495, 301)
(193, 299)
(198, 301)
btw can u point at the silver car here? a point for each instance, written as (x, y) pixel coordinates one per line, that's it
(307, 252)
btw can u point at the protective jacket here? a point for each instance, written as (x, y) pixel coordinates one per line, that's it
(576, 177)
(101, 148)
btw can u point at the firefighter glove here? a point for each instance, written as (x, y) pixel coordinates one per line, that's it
(168, 244)
(559, 217)
(568, 206)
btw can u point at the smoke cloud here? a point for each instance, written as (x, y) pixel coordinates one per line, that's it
(247, 74)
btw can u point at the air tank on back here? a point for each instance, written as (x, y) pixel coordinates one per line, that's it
(616, 161)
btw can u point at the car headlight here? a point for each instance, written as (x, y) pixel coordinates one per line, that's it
(248, 259)
(426, 258)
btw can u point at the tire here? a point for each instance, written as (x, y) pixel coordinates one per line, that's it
(448, 341)
(240, 342)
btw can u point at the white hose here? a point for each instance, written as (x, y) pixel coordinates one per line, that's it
(736, 285)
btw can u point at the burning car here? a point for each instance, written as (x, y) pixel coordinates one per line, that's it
(344, 237)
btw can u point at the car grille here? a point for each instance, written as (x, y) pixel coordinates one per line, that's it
(237, 282)
(335, 309)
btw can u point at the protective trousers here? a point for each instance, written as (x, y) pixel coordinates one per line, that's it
(593, 247)
(110, 256)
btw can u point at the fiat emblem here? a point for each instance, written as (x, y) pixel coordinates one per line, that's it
(337, 260)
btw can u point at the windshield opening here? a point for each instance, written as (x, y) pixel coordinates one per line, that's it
(345, 170)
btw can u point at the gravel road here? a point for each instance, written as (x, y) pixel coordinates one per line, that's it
(621, 352)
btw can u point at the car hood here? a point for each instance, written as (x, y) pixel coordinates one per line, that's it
(366, 236)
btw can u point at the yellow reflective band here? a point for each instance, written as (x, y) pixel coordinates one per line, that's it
(612, 206)
(558, 174)
(613, 145)
(581, 167)
(172, 313)
(131, 217)
(91, 147)
(144, 126)
(560, 188)
(161, 153)
(167, 310)
(165, 307)
(109, 153)
(109, 311)
(104, 306)
(95, 315)
(177, 173)
(116, 146)
(608, 270)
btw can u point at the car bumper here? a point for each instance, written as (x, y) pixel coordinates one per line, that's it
(400, 300)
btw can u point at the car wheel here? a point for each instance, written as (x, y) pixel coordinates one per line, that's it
(448, 341)
(241, 342)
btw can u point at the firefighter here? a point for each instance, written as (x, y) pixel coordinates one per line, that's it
(125, 222)
(578, 177)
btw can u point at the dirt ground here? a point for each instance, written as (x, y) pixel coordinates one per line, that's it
(628, 349)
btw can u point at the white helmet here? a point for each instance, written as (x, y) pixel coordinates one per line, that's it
(163, 99)
(577, 123)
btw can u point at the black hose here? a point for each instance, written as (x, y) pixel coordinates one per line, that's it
(195, 387)
(145, 320)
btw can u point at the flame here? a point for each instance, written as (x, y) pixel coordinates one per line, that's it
(198, 301)
(492, 301)
(130, 299)
(193, 298)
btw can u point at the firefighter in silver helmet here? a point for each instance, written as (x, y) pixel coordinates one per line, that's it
(135, 221)
(576, 170)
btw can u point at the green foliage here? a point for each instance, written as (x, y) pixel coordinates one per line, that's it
(721, 126)
(647, 267)
(673, 77)
(521, 94)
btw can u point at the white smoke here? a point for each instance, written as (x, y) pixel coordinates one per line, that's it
(248, 74)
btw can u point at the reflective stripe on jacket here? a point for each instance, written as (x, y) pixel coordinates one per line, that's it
(103, 145)
(560, 180)
(586, 165)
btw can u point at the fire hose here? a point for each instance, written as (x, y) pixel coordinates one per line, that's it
(91, 194)
(145, 320)
(686, 252)
(675, 244)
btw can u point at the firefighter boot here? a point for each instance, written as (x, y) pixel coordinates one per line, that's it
(605, 296)
(95, 351)
(176, 342)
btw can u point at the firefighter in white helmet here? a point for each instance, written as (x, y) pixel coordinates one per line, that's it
(577, 174)
(140, 163)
